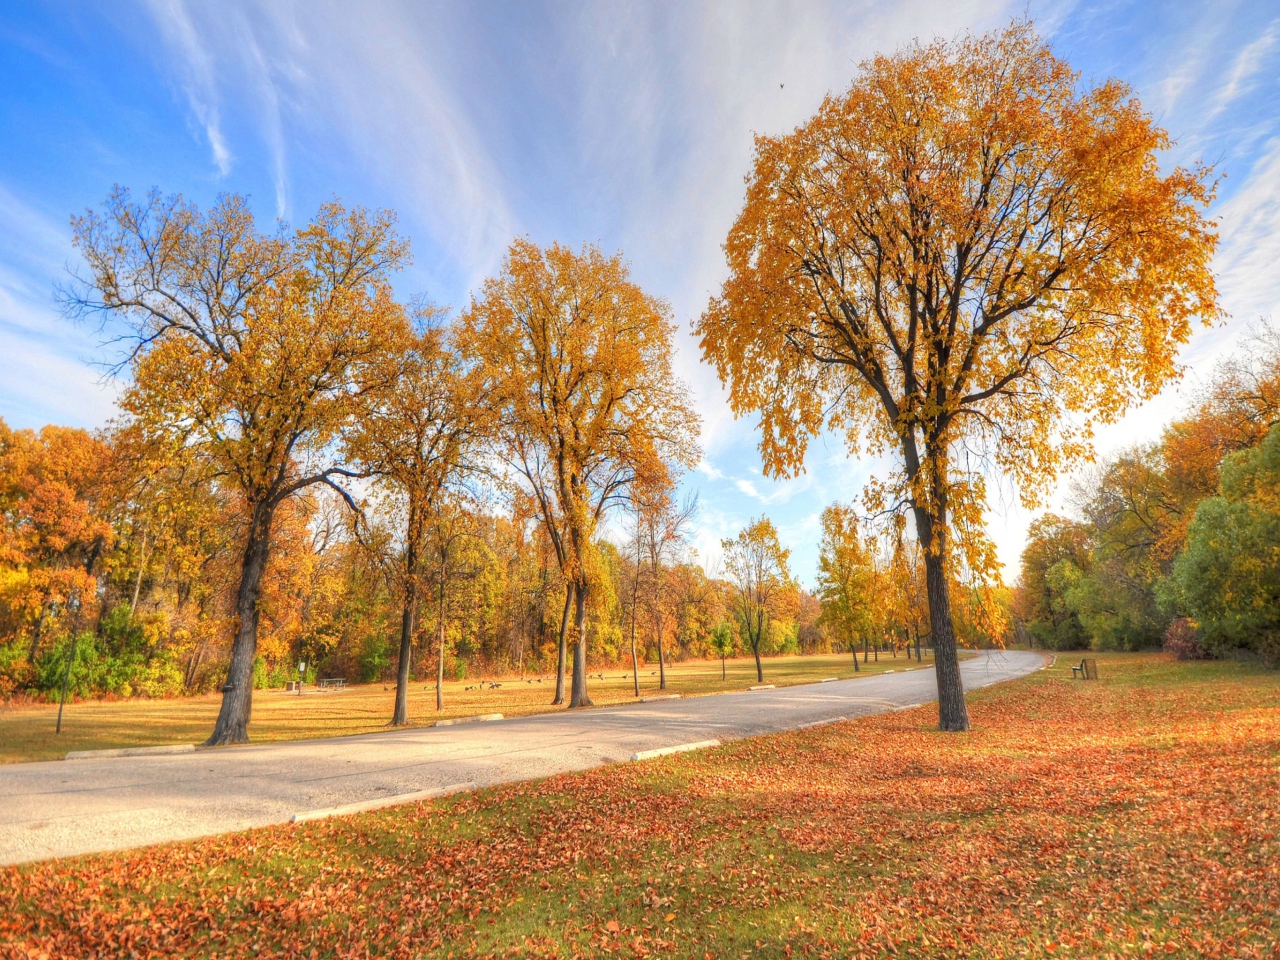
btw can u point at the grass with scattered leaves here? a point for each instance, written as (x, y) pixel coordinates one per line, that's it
(1132, 816)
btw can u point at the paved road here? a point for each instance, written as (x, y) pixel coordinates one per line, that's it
(63, 808)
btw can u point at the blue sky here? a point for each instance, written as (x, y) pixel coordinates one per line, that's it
(624, 124)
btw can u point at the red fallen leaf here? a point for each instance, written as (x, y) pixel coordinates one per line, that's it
(613, 927)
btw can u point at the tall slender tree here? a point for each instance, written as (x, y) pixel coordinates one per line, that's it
(847, 577)
(756, 564)
(578, 359)
(248, 352)
(663, 526)
(967, 259)
(418, 440)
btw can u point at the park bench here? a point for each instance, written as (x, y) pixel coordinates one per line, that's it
(1086, 670)
(338, 682)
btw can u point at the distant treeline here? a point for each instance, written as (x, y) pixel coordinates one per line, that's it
(146, 583)
(1177, 542)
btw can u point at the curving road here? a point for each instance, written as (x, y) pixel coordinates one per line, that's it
(64, 808)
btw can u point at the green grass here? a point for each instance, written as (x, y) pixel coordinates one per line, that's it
(27, 731)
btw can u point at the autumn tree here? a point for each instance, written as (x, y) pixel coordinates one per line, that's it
(454, 542)
(663, 530)
(1228, 576)
(846, 576)
(756, 564)
(578, 361)
(55, 528)
(249, 351)
(418, 441)
(967, 259)
(176, 532)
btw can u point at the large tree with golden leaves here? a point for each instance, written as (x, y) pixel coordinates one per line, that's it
(577, 361)
(966, 259)
(249, 354)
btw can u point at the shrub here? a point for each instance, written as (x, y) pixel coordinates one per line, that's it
(15, 672)
(1181, 640)
(374, 658)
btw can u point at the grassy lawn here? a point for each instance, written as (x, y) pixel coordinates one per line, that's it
(27, 732)
(1133, 816)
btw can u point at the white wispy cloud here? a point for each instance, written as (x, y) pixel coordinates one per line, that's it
(1244, 70)
(46, 359)
(197, 74)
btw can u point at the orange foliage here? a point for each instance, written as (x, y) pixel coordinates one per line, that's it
(53, 531)
(967, 259)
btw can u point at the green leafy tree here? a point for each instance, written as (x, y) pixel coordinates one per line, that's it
(1228, 578)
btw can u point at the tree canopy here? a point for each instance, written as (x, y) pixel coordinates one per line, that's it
(577, 361)
(967, 259)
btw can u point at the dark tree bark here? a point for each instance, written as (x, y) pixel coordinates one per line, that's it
(854, 647)
(953, 715)
(755, 647)
(237, 695)
(635, 661)
(440, 644)
(866, 650)
(578, 697)
(401, 714)
(561, 651)
(635, 606)
(408, 616)
(662, 662)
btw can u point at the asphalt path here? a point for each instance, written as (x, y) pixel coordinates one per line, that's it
(70, 807)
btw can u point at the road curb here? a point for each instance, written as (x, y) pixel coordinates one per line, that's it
(661, 696)
(763, 686)
(381, 803)
(481, 718)
(821, 723)
(667, 751)
(131, 751)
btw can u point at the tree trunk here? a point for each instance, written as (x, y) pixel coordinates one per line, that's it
(232, 725)
(440, 664)
(662, 662)
(564, 631)
(579, 697)
(755, 648)
(66, 679)
(35, 636)
(723, 676)
(866, 650)
(193, 665)
(854, 647)
(400, 716)
(635, 661)
(137, 583)
(952, 713)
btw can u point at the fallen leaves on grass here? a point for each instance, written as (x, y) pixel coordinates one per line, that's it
(1135, 817)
